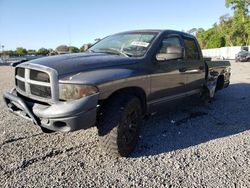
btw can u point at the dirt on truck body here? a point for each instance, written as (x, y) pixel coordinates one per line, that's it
(115, 84)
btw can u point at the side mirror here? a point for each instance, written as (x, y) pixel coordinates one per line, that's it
(172, 53)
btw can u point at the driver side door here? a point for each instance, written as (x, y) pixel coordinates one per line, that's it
(168, 79)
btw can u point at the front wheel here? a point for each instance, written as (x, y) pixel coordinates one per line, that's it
(119, 124)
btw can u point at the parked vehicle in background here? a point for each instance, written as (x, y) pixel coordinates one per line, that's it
(16, 60)
(115, 84)
(244, 48)
(242, 56)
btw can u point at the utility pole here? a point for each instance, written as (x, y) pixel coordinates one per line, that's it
(69, 34)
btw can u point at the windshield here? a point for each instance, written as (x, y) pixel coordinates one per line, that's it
(129, 45)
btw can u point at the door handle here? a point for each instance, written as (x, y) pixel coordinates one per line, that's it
(182, 69)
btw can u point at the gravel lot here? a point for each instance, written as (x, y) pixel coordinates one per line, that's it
(195, 146)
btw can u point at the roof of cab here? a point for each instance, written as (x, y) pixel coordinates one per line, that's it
(158, 31)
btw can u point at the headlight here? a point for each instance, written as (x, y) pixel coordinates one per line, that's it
(74, 91)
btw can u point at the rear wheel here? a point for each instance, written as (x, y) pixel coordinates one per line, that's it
(119, 124)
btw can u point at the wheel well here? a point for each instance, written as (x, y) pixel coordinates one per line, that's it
(220, 82)
(136, 91)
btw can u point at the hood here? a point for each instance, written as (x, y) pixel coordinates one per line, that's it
(80, 62)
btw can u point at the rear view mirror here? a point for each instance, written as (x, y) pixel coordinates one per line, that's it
(172, 52)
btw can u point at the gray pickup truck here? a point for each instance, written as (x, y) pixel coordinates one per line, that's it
(115, 84)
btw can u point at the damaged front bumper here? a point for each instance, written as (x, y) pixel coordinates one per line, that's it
(61, 116)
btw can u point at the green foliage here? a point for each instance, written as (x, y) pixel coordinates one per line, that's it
(62, 49)
(73, 49)
(31, 52)
(43, 51)
(85, 47)
(240, 7)
(10, 52)
(229, 31)
(21, 51)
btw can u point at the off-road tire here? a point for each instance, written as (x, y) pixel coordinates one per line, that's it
(119, 124)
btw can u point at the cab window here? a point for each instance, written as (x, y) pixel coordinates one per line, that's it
(169, 42)
(191, 49)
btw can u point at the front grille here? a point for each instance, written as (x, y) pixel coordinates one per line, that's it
(39, 76)
(34, 84)
(20, 85)
(40, 91)
(20, 72)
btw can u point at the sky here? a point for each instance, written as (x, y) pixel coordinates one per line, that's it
(33, 24)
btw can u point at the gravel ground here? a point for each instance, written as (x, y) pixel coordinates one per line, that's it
(194, 146)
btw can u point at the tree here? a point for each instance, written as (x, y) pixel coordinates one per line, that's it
(228, 31)
(31, 52)
(225, 29)
(210, 38)
(247, 28)
(73, 49)
(21, 51)
(216, 41)
(240, 7)
(9, 52)
(192, 31)
(43, 51)
(50, 50)
(224, 19)
(62, 49)
(85, 47)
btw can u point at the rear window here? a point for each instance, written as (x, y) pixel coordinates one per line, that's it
(191, 49)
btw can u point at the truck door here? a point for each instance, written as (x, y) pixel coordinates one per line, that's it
(167, 79)
(195, 66)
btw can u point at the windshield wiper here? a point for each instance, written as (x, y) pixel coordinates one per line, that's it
(92, 51)
(114, 51)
